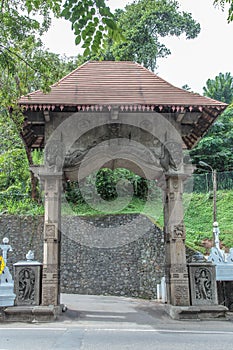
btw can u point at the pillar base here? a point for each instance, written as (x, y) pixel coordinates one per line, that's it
(206, 312)
(30, 313)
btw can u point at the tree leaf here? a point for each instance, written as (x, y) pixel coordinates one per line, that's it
(78, 40)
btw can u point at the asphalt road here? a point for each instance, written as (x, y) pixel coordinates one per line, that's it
(110, 323)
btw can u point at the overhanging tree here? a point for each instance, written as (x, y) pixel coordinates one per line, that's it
(216, 148)
(24, 65)
(22, 22)
(226, 3)
(144, 23)
(220, 88)
(25, 79)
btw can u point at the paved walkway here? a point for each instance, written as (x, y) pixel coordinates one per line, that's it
(90, 308)
(129, 313)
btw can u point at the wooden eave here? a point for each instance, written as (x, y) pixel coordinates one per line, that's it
(98, 86)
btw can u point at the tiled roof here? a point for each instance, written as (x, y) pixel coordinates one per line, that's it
(115, 83)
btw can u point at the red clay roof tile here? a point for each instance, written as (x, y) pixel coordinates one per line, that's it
(115, 83)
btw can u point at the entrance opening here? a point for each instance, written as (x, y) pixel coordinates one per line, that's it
(116, 248)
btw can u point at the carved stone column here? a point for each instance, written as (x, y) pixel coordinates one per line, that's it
(176, 267)
(52, 237)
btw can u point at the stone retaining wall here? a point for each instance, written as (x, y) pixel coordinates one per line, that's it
(116, 255)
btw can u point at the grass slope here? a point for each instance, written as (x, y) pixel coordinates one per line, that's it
(198, 213)
(199, 218)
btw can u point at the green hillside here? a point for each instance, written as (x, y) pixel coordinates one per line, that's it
(199, 218)
(198, 213)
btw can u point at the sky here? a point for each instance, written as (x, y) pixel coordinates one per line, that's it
(191, 62)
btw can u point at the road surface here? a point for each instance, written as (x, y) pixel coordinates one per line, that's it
(112, 323)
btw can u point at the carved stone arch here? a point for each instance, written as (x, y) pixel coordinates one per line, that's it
(114, 146)
(143, 143)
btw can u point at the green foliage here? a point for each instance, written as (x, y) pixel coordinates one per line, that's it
(216, 148)
(141, 188)
(109, 185)
(204, 183)
(19, 77)
(198, 218)
(14, 172)
(15, 186)
(24, 64)
(198, 215)
(21, 25)
(222, 4)
(106, 184)
(92, 22)
(20, 206)
(14, 176)
(44, 69)
(144, 23)
(38, 157)
(220, 88)
(135, 206)
(186, 87)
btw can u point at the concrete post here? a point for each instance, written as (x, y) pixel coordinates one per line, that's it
(176, 268)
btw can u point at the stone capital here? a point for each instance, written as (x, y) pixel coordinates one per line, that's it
(42, 172)
(181, 176)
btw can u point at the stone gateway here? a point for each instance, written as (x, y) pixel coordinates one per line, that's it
(114, 115)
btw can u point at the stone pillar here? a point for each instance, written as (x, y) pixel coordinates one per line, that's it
(52, 237)
(176, 268)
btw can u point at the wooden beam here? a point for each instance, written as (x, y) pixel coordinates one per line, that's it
(179, 117)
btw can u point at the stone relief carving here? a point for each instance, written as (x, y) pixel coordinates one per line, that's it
(84, 123)
(181, 294)
(203, 284)
(167, 155)
(171, 156)
(51, 185)
(49, 295)
(50, 231)
(179, 231)
(175, 184)
(230, 256)
(72, 158)
(114, 130)
(54, 156)
(147, 124)
(26, 285)
(75, 156)
(149, 155)
(172, 196)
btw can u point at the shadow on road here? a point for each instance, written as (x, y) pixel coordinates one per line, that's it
(89, 308)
